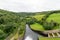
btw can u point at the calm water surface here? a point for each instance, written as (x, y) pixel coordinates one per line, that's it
(29, 34)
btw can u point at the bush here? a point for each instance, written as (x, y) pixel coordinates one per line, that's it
(48, 26)
(2, 35)
(31, 20)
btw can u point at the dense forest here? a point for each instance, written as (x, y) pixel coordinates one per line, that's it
(10, 23)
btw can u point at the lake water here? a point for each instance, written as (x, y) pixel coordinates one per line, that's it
(29, 34)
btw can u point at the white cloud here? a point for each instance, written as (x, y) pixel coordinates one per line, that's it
(29, 5)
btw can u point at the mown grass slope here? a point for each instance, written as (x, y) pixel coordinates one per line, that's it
(37, 26)
(46, 38)
(55, 17)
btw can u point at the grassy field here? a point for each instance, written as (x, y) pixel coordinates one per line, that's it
(38, 17)
(37, 26)
(46, 38)
(55, 17)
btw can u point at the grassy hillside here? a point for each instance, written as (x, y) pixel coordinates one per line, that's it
(50, 21)
(55, 17)
(52, 18)
(38, 17)
(37, 26)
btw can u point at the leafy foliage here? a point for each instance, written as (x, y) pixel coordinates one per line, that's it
(9, 22)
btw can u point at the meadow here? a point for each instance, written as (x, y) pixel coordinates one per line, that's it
(54, 17)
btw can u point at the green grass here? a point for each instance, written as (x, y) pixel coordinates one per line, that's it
(38, 17)
(46, 38)
(55, 17)
(37, 26)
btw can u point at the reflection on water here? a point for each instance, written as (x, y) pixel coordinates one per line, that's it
(30, 35)
(28, 38)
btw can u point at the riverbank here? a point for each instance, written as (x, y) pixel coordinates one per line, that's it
(44, 35)
(29, 34)
(39, 31)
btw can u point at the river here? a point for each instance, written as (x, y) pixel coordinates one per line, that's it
(29, 34)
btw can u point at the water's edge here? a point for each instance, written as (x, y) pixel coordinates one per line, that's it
(31, 34)
(39, 32)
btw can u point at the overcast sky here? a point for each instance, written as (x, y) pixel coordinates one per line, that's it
(30, 5)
